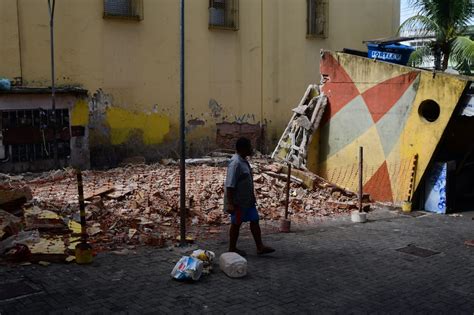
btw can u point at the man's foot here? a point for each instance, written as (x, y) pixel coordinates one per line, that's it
(238, 251)
(265, 250)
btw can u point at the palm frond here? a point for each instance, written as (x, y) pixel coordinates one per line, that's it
(463, 50)
(450, 16)
(418, 25)
(419, 55)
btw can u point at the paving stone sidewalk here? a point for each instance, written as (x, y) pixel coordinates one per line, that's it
(332, 267)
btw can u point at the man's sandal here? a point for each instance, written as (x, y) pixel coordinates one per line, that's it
(265, 250)
(239, 251)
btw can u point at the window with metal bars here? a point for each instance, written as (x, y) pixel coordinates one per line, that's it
(224, 14)
(28, 134)
(317, 18)
(124, 9)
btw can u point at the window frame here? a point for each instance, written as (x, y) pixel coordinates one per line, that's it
(233, 12)
(134, 5)
(311, 34)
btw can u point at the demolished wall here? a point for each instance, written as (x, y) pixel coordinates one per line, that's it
(380, 106)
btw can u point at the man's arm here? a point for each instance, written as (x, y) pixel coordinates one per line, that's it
(231, 183)
(230, 200)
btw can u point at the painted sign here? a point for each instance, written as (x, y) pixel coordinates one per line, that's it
(468, 110)
(435, 188)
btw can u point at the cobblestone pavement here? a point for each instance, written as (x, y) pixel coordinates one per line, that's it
(335, 266)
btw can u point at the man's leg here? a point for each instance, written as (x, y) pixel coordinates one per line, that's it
(257, 236)
(233, 237)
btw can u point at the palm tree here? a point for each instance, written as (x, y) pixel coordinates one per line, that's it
(445, 21)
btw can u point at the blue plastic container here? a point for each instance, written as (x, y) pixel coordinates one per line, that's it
(5, 84)
(395, 53)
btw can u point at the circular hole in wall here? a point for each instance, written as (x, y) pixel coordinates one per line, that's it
(429, 110)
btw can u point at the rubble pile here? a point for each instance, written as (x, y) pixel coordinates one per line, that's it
(139, 204)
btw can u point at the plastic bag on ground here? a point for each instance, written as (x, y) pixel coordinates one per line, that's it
(9, 224)
(233, 265)
(24, 237)
(204, 255)
(207, 257)
(187, 268)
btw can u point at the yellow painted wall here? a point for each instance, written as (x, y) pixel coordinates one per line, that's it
(9, 40)
(446, 90)
(136, 63)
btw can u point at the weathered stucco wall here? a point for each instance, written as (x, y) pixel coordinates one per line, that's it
(131, 68)
(376, 105)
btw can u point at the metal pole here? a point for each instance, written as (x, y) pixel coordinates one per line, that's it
(82, 208)
(83, 249)
(51, 6)
(182, 135)
(288, 180)
(262, 130)
(361, 177)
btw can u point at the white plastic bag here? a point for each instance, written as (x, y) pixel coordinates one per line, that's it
(207, 257)
(233, 265)
(204, 255)
(187, 268)
(23, 237)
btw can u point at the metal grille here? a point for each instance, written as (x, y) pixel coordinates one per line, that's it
(224, 14)
(28, 134)
(317, 18)
(123, 9)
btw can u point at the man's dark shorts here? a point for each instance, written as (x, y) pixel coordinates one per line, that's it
(244, 215)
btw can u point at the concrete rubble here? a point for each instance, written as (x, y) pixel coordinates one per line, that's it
(139, 204)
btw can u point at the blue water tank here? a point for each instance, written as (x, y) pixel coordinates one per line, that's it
(395, 53)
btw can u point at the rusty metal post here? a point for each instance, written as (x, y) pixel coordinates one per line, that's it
(361, 177)
(83, 249)
(82, 208)
(288, 181)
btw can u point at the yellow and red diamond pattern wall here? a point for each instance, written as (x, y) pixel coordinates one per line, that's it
(376, 105)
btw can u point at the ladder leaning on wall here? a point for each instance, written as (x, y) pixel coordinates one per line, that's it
(293, 144)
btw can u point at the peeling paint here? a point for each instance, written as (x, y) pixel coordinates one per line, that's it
(215, 108)
(124, 123)
(228, 133)
(196, 122)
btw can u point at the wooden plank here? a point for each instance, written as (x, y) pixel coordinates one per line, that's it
(98, 192)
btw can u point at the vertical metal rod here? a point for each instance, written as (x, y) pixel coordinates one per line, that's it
(82, 208)
(288, 181)
(182, 169)
(361, 177)
(51, 7)
(262, 130)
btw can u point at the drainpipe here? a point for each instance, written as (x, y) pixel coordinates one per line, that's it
(19, 39)
(182, 135)
(51, 6)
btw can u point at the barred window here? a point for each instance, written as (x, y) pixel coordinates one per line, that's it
(128, 9)
(224, 14)
(317, 18)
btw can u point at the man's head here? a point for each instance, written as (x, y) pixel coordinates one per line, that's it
(243, 146)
